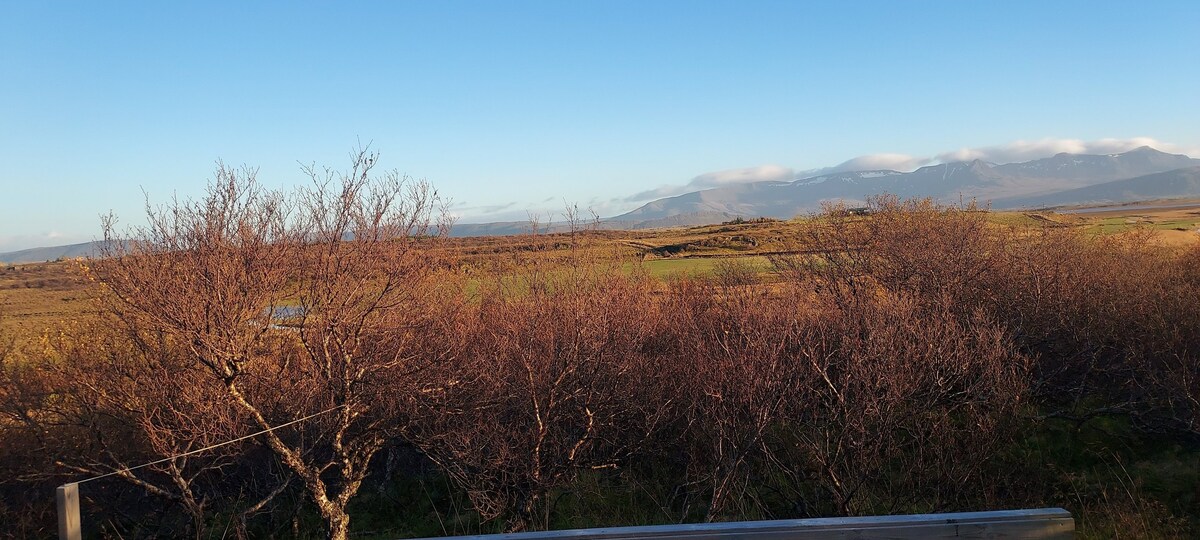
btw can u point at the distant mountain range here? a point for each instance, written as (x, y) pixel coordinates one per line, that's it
(1043, 182)
(1164, 185)
(1063, 179)
(86, 249)
(1060, 180)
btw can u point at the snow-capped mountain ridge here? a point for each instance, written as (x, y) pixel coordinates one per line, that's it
(944, 181)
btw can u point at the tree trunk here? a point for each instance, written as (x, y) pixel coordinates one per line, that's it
(339, 526)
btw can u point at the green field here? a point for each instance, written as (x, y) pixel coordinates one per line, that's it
(701, 266)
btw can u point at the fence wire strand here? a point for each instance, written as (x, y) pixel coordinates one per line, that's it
(210, 447)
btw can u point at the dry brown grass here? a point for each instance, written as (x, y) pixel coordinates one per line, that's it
(40, 297)
(43, 298)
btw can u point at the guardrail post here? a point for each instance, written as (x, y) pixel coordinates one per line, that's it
(68, 512)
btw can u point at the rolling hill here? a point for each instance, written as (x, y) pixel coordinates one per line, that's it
(42, 254)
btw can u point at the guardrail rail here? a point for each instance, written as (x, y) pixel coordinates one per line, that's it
(1042, 523)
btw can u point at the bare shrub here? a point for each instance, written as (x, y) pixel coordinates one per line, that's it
(23, 391)
(1110, 323)
(729, 355)
(1107, 321)
(553, 371)
(940, 254)
(903, 366)
(212, 275)
(898, 403)
(127, 399)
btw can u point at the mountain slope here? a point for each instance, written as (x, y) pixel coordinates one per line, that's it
(42, 254)
(1092, 169)
(1164, 185)
(947, 182)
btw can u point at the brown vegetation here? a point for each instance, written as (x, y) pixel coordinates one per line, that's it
(918, 357)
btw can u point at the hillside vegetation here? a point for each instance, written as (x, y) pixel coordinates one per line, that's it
(916, 358)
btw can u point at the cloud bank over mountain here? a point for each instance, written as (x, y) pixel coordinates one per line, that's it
(1135, 174)
(876, 162)
(1029, 150)
(761, 173)
(552, 209)
(1012, 152)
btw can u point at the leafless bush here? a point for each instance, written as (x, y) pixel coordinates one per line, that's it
(729, 357)
(899, 403)
(905, 366)
(878, 400)
(1105, 319)
(128, 399)
(551, 384)
(212, 275)
(22, 392)
(939, 254)
(1111, 323)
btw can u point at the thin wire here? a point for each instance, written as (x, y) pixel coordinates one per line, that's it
(206, 448)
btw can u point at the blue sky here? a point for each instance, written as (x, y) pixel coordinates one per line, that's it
(508, 107)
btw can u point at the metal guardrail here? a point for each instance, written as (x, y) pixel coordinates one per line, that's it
(1042, 524)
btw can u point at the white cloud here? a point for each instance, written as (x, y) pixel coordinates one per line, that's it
(761, 173)
(1013, 152)
(873, 162)
(461, 211)
(1018, 151)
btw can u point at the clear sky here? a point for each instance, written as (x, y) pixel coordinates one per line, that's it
(513, 106)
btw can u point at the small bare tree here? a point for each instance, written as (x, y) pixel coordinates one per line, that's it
(127, 399)
(309, 304)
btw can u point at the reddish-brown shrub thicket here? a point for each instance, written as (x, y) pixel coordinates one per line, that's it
(879, 372)
(103, 398)
(730, 353)
(23, 390)
(875, 404)
(901, 402)
(940, 255)
(1111, 321)
(552, 380)
(1108, 321)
